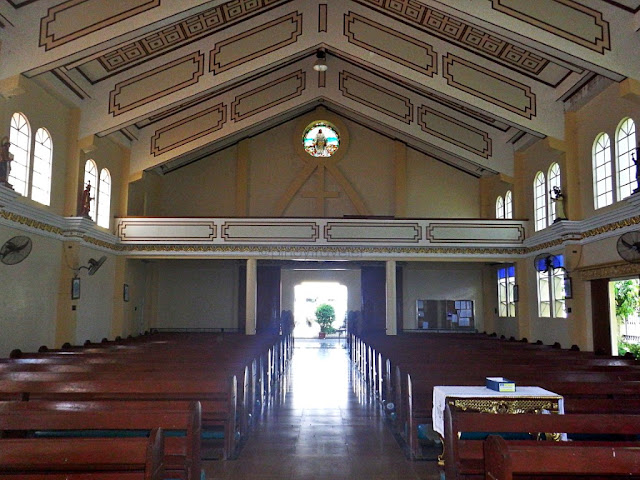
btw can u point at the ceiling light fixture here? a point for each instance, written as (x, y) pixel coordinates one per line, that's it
(320, 65)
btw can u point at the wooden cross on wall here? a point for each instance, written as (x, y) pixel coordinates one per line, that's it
(320, 194)
(322, 165)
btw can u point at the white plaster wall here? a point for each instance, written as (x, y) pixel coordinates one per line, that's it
(507, 327)
(549, 330)
(95, 306)
(197, 294)
(137, 312)
(441, 281)
(552, 330)
(29, 295)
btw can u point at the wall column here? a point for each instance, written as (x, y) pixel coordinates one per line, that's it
(527, 299)
(519, 188)
(119, 314)
(572, 173)
(66, 314)
(72, 167)
(400, 170)
(242, 179)
(123, 203)
(252, 296)
(392, 314)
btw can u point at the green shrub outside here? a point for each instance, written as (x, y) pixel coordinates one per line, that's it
(624, 347)
(325, 315)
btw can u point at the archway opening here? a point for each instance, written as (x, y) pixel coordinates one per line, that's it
(308, 296)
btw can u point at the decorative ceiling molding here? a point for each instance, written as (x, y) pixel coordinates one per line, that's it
(188, 129)
(155, 84)
(268, 95)
(254, 43)
(374, 96)
(454, 131)
(73, 19)
(565, 18)
(467, 35)
(183, 32)
(391, 44)
(489, 85)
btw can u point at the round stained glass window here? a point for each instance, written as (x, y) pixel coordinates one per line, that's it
(321, 139)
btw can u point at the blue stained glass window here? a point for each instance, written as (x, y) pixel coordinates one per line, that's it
(321, 139)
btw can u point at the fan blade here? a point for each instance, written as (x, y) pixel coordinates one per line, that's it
(15, 250)
(627, 244)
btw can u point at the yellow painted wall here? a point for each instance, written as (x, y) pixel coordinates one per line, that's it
(42, 111)
(207, 187)
(436, 190)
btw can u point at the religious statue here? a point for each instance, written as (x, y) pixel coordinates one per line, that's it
(320, 142)
(558, 198)
(634, 159)
(85, 203)
(6, 157)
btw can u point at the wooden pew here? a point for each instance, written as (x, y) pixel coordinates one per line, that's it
(165, 367)
(465, 433)
(180, 421)
(503, 460)
(217, 398)
(82, 458)
(403, 370)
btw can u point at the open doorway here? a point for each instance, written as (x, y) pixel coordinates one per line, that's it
(625, 316)
(308, 296)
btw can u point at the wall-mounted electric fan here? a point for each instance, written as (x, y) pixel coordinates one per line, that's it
(546, 262)
(629, 246)
(15, 250)
(94, 265)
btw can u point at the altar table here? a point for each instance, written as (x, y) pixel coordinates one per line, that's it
(483, 399)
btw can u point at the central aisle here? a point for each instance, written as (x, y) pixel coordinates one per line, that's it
(321, 425)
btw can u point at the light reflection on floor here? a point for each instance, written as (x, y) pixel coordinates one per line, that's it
(321, 424)
(319, 379)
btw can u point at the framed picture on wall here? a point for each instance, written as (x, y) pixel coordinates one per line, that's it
(75, 288)
(125, 292)
(568, 290)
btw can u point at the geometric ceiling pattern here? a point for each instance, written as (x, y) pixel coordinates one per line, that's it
(466, 82)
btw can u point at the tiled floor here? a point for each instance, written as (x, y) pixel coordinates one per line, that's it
(322, 425)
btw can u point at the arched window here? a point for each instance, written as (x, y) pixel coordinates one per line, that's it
(499, 207)
(20, 138)
(507, 296)
(41, 178)
(602, 174)
(508, 205)
(91, 177)
(551, 293)
(625, 169)
(553, 181)
(104, 198)
(540, 201)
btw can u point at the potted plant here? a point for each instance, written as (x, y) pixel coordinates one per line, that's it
(325, 315)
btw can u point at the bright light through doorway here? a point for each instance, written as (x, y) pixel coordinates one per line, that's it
(625, 316)
(308, 296)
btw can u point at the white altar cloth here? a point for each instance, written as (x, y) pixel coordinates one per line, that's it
(441, 393)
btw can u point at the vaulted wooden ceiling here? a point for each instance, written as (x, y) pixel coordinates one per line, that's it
(466, 81)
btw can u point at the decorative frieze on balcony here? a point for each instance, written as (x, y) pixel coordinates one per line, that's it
(322, 237)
